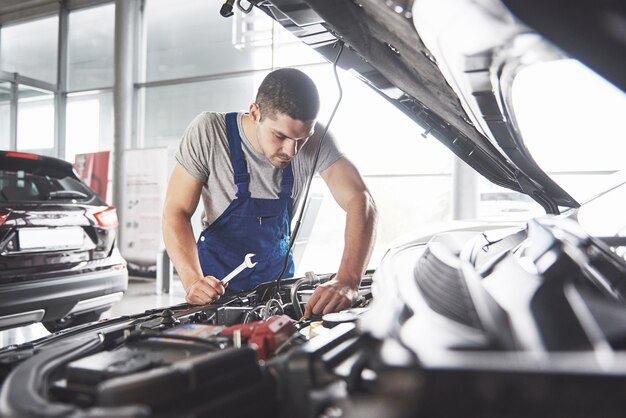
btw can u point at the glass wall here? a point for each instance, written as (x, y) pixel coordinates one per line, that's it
(409, 176)
(5, 115)
(497, 203)
(169, 109)
(256, 30)
(89, 123)
(191, 38)
(580, 120)
(195, 60)
(89, 114)
(35, 120)
(90, 48)
(30, 49)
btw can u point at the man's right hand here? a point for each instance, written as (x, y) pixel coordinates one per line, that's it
(204, 291)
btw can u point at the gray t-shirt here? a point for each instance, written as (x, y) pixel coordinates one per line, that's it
(205, 154)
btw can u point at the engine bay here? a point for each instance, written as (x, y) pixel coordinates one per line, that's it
(515, 322)
(183, 360)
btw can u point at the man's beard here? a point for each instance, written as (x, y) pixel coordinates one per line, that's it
(280, 160)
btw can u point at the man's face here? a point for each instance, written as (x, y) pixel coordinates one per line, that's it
(280, 137)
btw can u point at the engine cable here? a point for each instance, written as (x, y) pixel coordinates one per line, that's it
(309, 180)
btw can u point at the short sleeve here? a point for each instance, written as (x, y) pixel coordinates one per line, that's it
(194, 152)
(329, 152)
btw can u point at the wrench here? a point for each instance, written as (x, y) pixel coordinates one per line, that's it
(247, 264)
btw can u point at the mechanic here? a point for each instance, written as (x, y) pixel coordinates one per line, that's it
(250, 169)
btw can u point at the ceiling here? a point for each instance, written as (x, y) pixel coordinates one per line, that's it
(14, 10)
(17, 10)
(12, 6)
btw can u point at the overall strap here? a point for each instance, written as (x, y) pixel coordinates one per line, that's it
(240, 169)
(286, 183)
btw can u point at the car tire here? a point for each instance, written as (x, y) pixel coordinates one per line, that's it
(71, 321)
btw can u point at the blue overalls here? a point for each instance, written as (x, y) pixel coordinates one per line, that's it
(248, 225)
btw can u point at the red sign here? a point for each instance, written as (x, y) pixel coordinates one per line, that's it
(93, 169)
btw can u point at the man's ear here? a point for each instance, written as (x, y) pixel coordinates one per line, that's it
(255, 112)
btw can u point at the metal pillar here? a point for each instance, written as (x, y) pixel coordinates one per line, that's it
(126, 14)
(60, 97)
(13, 116)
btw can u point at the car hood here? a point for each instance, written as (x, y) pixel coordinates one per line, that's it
(460, 91)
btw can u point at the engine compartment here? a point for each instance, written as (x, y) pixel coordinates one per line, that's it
(514, 322)
(165, 362)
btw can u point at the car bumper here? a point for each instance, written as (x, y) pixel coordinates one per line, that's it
(53, 298)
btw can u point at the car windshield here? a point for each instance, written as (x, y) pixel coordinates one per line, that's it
(28, 182)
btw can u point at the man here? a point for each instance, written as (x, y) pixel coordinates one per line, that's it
(250, 169)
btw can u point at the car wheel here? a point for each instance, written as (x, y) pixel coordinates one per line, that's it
(71, 321)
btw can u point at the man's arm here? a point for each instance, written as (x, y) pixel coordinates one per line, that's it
(181, 201)
(350, 192)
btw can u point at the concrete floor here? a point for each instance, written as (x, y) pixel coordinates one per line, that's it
(141, 295)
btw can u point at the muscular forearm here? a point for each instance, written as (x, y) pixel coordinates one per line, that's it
(342, 291)
(181, 201)
(181, 247)
(359, 239)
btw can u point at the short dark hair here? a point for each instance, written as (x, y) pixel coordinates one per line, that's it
(290, 92)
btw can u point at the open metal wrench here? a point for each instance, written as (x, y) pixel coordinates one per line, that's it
(247, 264)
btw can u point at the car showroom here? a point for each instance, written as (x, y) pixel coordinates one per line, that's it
(312, 208)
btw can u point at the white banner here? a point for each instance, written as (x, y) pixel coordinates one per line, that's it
(145, 183)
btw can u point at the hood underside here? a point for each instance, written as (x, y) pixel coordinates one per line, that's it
(469, 114)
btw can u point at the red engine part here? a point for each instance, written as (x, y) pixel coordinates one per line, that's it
(265, 336)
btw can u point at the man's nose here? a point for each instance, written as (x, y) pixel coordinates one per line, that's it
(290, 147)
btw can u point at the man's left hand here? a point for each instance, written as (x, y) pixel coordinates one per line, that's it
(331, 296)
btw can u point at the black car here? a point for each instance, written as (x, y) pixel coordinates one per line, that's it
(480, 320)
(58, 260)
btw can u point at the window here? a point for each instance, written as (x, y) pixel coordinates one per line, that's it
(90, 48)
(501, 204)
(255, 30)
(604, 216)
(401, 168)
(30, 49)
(575, 132)
(191, 38)
(408, 176)
(89, 126)
(168, 110)
(410, 171)
(35, 120)
(5, 115)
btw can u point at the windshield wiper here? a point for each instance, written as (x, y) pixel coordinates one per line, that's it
(66, 194)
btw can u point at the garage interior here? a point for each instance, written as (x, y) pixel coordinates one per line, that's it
(497, 276)
(125, 77)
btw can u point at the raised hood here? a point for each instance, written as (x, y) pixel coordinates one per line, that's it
(459, 95)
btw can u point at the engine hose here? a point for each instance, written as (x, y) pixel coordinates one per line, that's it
(309, 278)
